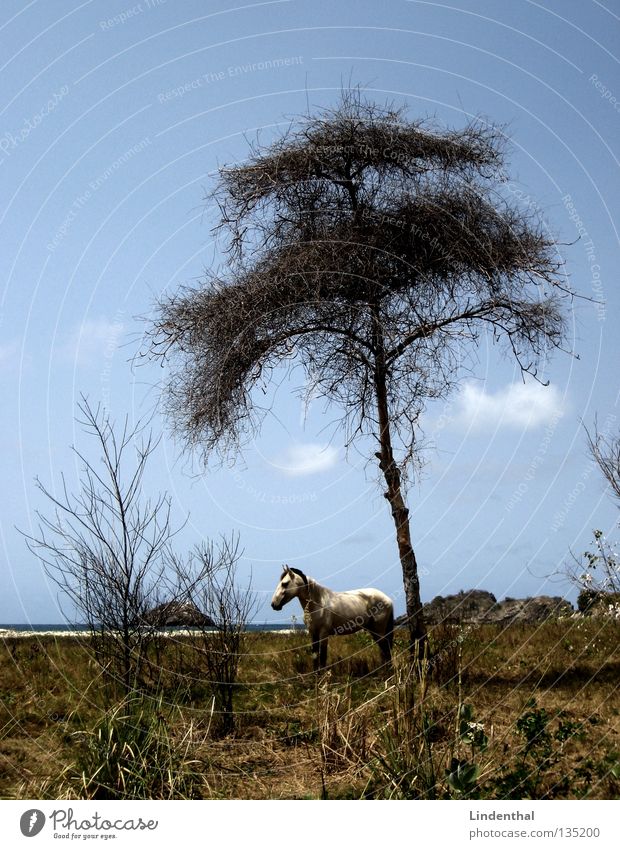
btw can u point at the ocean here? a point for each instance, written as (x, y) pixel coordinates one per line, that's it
(27, 629)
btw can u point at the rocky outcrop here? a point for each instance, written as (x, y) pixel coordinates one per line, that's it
(480, 606)
(536, 609)
(467, 606)
(176, 613)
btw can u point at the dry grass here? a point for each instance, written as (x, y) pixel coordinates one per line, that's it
(356, 731)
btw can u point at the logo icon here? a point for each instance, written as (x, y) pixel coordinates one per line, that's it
(31, 822)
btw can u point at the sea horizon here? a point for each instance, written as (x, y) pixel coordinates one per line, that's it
(42, 627)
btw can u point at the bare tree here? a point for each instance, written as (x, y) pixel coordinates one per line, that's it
(374, 251)
(207, 580)
(107, 546)
(605, 451)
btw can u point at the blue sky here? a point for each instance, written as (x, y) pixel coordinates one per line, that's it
(113, 120)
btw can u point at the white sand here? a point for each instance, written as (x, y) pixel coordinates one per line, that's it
(5, 632)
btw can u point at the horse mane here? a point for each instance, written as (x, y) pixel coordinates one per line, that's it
(297, 572)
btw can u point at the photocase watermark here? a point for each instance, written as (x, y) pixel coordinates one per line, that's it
(211, 77)
(10, 141)
(524, 197)
(198, 82)
(590, 248)
(31, 822)
(433, 243)
(445, 420)
(129, 13)
(64, 819)
(560, 516)
(123, 159)
(93, 186)
(370, 152)
(263, 497)
(536, 463)
(605, 92)
(359, 621)
(109, 351)
(252, 67)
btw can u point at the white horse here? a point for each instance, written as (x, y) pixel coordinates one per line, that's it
(328, 613)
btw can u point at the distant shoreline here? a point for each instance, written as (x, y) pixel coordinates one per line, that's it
(60, 631)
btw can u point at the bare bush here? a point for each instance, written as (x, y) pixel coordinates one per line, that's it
(597, 572)
(605, 450)
(107, 547)
(207, 580)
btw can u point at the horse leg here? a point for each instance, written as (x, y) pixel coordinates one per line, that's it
(383, 640)
(385, 647)
(319, 652)
(323, 653)
(315, 653)
(372, 629)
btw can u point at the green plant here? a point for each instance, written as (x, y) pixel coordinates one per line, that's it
(131, 753)
(462, 775)
(530, 775)
(403, 764)
(471, 732)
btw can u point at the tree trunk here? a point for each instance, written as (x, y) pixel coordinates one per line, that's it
(417, 630)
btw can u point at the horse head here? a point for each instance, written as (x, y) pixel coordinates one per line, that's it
(291, 581)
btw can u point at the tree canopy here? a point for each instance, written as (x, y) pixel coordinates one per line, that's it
(373, 250)
(352, 208)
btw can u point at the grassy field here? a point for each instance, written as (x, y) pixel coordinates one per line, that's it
(523, 712)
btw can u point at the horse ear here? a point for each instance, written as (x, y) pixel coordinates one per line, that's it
(287, 569)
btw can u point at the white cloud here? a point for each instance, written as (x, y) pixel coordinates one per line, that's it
(91, 342)
(519, 405)
(306, 458)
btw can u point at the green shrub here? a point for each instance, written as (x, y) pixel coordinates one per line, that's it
(131, 754)
(531, 774)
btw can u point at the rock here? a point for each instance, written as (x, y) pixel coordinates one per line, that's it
(536, 609)
(480, 606)
(467, 606)
(176, 613)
